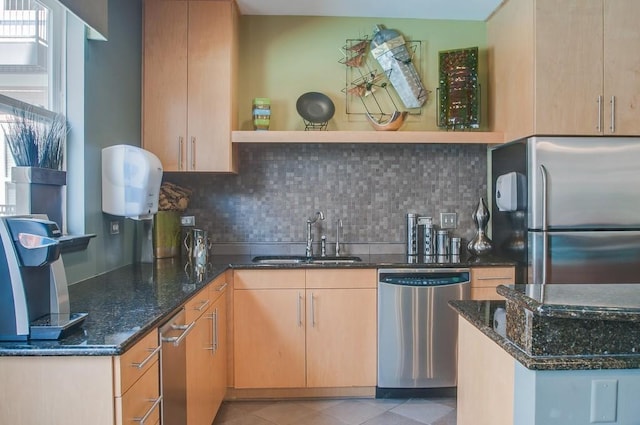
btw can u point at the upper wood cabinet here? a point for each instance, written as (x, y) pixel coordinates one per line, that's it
(189, 83)
(564, 68)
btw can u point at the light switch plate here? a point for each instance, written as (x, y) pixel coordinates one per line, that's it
(448, 220)
(114, 227)
(188, 220)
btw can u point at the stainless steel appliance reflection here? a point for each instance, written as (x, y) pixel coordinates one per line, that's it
(417, 330)
(174, 369)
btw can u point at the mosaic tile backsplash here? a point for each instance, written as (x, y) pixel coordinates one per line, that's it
(370, 187)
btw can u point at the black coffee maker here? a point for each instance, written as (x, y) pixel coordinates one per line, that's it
(34, 299)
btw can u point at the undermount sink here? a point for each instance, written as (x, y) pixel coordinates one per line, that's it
(335, 260)
(280, 259)
(299, 259)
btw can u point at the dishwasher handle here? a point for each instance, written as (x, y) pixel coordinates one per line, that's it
(177, 340)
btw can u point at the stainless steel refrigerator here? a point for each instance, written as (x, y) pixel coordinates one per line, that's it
(567, 209)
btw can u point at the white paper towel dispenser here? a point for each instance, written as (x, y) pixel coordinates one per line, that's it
(131, 179)
(511, 192)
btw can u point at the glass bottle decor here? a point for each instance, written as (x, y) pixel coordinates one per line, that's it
(481, 244)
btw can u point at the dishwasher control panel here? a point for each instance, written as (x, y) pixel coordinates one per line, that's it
(424, 277)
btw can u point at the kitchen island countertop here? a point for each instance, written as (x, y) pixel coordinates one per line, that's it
(481, 315)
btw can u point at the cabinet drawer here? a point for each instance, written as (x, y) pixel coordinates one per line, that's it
(269, 279)
(197, 305)
(341, 278)
(131, 365)
(485, 280)
(492, 276)
(142, 400)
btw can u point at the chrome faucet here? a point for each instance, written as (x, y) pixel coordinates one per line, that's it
(310, 221)
(338, 230)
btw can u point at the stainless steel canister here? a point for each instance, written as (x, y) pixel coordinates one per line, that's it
(442, 244)
(455, 246)
(412, 234)
(427, 236)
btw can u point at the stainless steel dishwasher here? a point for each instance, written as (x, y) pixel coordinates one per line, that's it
(173, 369)
(417, 330)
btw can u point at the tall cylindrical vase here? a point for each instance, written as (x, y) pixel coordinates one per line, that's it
(166, 234)
(481, 244)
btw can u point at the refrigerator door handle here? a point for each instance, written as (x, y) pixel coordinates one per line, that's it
(545, 226)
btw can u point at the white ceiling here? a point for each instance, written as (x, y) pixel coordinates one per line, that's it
(477, 10)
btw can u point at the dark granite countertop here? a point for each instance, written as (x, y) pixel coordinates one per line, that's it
(619, 302)
(480, 314)
(126, 303)
(123, 305)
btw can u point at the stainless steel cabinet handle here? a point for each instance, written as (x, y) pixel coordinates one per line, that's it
(313, 312)
(299, 309)
(176, 340)
(215, 333)
(180, 147)
(545, 226)
(193, 153)
(152, 353)
(612, 127)
(203, 305)
(599, 126)
(221, 287)
(155, 404)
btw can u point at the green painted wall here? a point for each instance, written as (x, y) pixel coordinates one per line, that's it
(284, 57)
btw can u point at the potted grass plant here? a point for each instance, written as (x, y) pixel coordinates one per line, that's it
(37, 146)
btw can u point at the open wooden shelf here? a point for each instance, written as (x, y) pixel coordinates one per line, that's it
(480, 137)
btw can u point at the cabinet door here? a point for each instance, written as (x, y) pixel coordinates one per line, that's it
(219, 355)
(199, 371)
(568, 67)
(341, 337)
(212, 45)
(164, 126)
(621, 66)
(269, 338)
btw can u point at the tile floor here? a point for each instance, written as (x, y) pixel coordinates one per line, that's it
(434, 411)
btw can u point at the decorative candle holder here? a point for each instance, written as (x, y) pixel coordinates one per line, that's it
(481, 244)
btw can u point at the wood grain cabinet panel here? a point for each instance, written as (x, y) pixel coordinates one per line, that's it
(189, 83)
(485, 280)
(564, 68)
(320, 334)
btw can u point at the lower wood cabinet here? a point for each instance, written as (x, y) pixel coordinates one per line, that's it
(79, 390)
(485, 379)
(485, 280)
(206, 353)
(304, 328)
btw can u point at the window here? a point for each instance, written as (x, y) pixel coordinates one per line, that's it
(32, 59)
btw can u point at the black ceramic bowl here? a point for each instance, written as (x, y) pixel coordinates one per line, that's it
(315, 107)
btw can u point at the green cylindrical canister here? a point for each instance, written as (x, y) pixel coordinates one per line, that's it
(261, 113)
(166, 234)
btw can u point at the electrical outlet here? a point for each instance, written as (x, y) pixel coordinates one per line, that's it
(188, 220)
(448, 220)
(114, 227)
